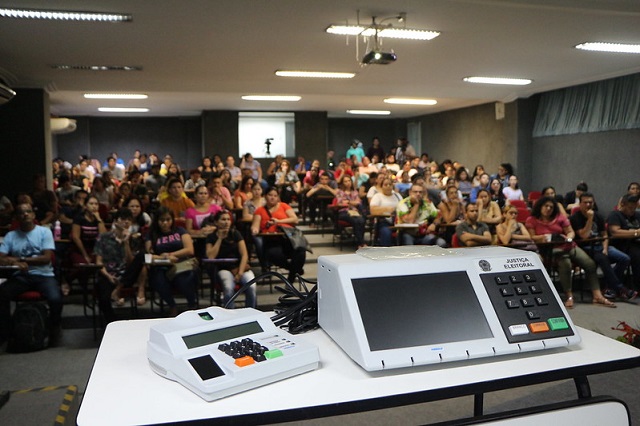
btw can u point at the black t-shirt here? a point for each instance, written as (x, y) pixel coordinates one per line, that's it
(88, 231)
(616, 217)
(578, 221)
(228, 248)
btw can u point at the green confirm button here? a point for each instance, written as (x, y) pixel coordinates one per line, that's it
(557, 323)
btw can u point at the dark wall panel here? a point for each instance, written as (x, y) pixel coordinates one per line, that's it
(342, 131)
(25, 141)
(98, 137)
(606, 161)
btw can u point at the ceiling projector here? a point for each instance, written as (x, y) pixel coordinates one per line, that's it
(377, 57)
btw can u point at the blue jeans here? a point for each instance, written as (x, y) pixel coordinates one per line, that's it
(613, 275)
(385, 233)
(423, 240)
(229, 286)
(22, 282)
(185, 282)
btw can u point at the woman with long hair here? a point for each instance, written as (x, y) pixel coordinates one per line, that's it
(196, 217)
(172, 244)
(495, 190)
(278, 251)
(287, 181)
(227, 243)
(206, 168)
(510, 231)
(243, 193)
(547, 225)
(349, 207)
(251, 205)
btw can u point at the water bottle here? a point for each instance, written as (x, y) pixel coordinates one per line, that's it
(57, 230)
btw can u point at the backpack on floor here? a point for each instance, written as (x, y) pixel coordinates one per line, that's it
(29, 328)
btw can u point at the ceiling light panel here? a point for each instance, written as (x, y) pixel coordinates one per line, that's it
(108, 109)
(609, 47)
(367, 112)
(314, 74)
(115, 96)
(96, 67)
(498, 80)
(402, 33)
(410, 101)
(64, 15)
(275, 98)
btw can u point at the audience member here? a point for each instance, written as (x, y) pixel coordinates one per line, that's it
(45, 202)
(572, 198)
(419, 210)
(177, 201)
(349, 207)
(513, 191)
(512, 232)
(505, 170)
(550, 191)
(484, 183)
(287, 182)
(589, 227)
(227, 243)
(251, 205)
(470, 232)
(196, 217)
(546, 224)
(495, 191)
(355, 149)
(384, 204)
(319, 196)
(195, 179)
(168, 242)
(120, 265)
(276, 250)
(624, 229)
(243, 193)
(234, 171)
(488, 210)
(206, 168)
(30, 248)
(219, 194)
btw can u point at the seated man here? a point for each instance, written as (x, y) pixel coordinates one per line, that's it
(31, 249)
(589, 224)
(470, 232)
(624, 230)
(419, 210)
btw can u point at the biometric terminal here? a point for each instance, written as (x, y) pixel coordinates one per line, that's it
(412, 305)
(216, 352)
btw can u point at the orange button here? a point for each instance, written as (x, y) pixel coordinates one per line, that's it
(538, 327)
(244, 361)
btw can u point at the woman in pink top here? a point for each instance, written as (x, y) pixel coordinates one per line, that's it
(547, 225)
(195, 217)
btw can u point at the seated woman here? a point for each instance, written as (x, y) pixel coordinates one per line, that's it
(84, 232)
(196, 216)
(451, 209)
(287, 182)
(140, 223)
(349, 206)
(545, 225)
(512, 232)
(121, 266)
(513, 192)
(464, 182)
(382, 204)
(226, 243)
(495, 191)
(174, 244)
(250, 206)
(488, 210)
(243, 193)
(277, 249)
(550, 191)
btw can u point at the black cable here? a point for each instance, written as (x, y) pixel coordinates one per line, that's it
(296, 310)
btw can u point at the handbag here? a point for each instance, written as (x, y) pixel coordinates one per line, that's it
(181, 267)
(296, 238)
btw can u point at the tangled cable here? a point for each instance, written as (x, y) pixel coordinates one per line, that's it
(297, 310)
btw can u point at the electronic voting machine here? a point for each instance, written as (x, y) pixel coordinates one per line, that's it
(412, 305)
(217, 352)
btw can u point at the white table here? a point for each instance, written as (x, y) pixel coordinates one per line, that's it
(123, 390)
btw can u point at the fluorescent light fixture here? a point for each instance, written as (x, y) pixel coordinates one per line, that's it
(115, 96)
(96, 67)
(276, 98)
(610, 47)
(498, 80)
(410, 101)
(105, 109)
(314, 74)
(63, 15)
(368, 112)
(390, 32)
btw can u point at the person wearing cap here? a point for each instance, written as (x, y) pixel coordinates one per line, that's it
(624, 231)
(356, 150)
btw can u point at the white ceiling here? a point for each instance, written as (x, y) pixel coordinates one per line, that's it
(204, 54)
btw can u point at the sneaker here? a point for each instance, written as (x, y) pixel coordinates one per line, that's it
(609, 294)
(628, 294)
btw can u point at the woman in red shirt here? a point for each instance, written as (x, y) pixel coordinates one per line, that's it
(276, 249)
